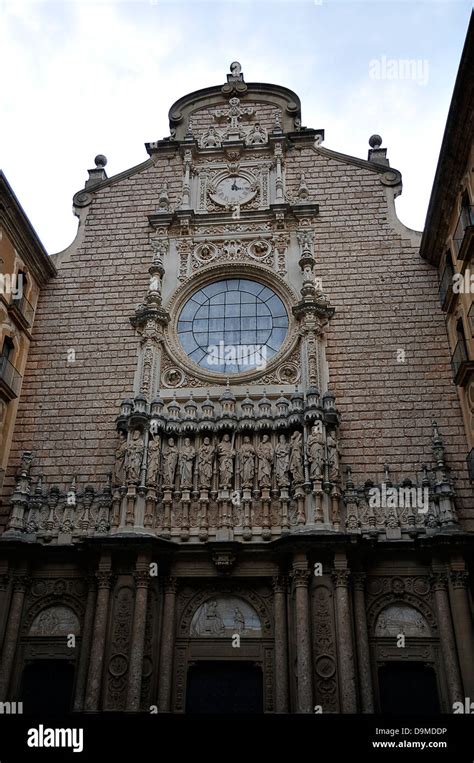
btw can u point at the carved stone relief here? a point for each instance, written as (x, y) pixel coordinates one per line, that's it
(400, 618)
(116, 683)
(55, 621)
(324, 649)
(224, 616)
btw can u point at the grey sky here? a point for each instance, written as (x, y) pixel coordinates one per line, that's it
(83, 77)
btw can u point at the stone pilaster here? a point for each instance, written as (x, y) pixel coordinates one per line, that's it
(142, 580)
(446, 637)
(20, 585)
(86, 640)
(463, 629)
(94, 680)
(301, 576)
(345, 649)
(362, 645)
(167, 646)
(281, 644)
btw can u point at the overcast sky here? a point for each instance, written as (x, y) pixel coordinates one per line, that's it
(82, 77)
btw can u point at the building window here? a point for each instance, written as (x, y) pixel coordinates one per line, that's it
(462, 238)
(8, 347)
(461, 364)
(232, 326)
(446, 293)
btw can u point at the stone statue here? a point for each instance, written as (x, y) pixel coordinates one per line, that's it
(247, 463)
(153, 466)
(333, 457)
(296, 457)
(170, 459)
(135, 452)
(236, 70)
(239, 620)
(226, 462)
(214, 621)
(187, 455)
(211, 138)
(120, 454)
(256, 135)
(315, 451)
(204, 464)
(282, 463)
(265, 462)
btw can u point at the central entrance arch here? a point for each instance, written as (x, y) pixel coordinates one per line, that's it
(224, 657)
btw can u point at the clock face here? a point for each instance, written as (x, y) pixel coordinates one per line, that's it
(233, 190)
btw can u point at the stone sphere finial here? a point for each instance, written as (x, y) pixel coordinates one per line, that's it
(375, 141)
(100, 161)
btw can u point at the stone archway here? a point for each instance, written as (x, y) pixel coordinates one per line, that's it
(222, 634)
(405, 658)
(49, 657)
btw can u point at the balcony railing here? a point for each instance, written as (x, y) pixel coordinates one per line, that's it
(461, 365)
(463, 238)
(10, 379)
(24, 310)
(446, 294)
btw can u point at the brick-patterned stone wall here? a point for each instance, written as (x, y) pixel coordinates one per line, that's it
(385, 297)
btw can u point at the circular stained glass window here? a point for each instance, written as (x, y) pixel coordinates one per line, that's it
(232, 326)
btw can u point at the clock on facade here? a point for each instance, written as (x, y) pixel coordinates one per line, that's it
(234, 190)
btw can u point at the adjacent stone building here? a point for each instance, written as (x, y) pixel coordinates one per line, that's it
(24, 269)
(238, 477)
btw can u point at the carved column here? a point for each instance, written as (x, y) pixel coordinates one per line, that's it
(142, 579)
(167, 645)
(362, 644)
(446, 637)
(463, 628)
(301, 576)
(86, 642)
(281, 645)
(94, 680)
(345, 652)
(20, 584)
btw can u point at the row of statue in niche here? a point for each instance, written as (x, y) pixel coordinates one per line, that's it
(249, 461)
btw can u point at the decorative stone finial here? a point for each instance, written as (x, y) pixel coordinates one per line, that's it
(375, 141)
(376, 153)
(97, 174)
(163, 201)
(303, 191)
(100, 161)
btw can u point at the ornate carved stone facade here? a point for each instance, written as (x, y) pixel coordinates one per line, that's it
(222, 482)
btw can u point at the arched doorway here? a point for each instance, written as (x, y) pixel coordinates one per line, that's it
(224, 659)
(407, 660)
(49, 655)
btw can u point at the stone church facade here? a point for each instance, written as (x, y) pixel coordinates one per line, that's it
(237, 479)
